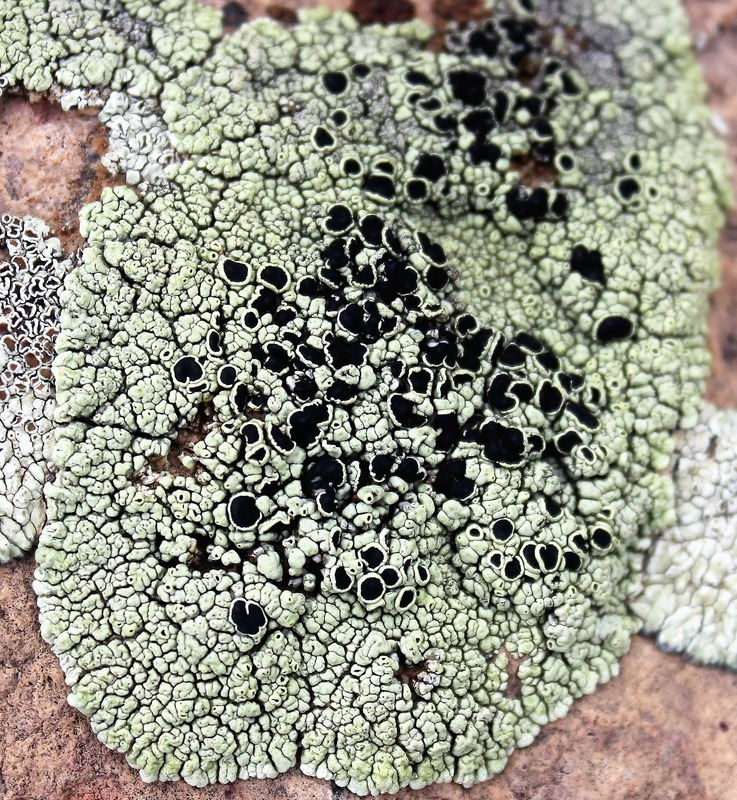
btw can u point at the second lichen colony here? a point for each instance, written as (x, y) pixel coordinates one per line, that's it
(367, 390)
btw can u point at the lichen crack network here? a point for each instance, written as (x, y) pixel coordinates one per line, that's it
(365, 384)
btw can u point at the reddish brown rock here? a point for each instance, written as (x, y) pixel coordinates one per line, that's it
(715, 34)
(282, 10)
(663, 730)
(379, 11)
(50, 163)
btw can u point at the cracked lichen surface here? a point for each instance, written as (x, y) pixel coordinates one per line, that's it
(689, 599)
(30, 279)
(366, 383)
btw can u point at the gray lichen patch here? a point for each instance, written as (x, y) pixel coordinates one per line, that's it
(366, 391)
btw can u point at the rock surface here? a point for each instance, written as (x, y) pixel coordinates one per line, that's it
(663, 730)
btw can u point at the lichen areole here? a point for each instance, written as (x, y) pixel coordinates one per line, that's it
(366, 382)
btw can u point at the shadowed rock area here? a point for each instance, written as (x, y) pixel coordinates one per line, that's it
(664, 729)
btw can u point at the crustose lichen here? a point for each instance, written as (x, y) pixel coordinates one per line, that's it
(366, 382)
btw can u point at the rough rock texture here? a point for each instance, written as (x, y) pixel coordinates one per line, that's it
(50, 164)
(661, 730)
(715, 34)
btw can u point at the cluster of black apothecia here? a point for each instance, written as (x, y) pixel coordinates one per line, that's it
(469, 102)
(364, 256)
(389, 296)
(464, 110)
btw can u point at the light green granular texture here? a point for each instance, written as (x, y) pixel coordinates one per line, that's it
(314, 506)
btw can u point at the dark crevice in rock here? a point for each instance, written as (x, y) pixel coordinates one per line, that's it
(283, 14)
(514, 683)
(182, 446)
(234, 15)
(460, 11)
(533, 173)
(383, 12)
(410, 674)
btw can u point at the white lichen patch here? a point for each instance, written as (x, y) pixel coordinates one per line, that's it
(366, 392)
(140, 147)
(31, 272)
(689, 600)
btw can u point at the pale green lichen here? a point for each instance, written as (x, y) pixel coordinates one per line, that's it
(367, 392)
